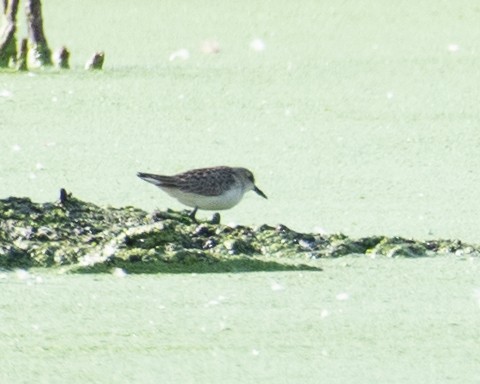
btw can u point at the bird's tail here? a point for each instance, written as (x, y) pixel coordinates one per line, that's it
(158, 180)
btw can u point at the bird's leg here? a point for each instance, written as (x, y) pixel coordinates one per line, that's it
(192, 214)
(63, 196)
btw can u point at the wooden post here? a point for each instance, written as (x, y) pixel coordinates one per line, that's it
(8, 44)
(21, 63)
(60, 57)
(96, 61)
(40, 53)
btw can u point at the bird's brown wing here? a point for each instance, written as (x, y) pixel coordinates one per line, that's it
(206, 181)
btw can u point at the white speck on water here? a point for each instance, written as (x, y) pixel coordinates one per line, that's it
(5, 93)
(476, 295)
(54, 99)
(32, 176)
(325, 313)
(16, 148)
(38, 280)
(255, 352)
(210, 46)
(390, 95)
(276, 286)
(216, 301)
(181, 54)
(453, 47)
(223, 326)
(320, 230)
(22, 274)
(342, 296)
(39, 166)
(119, 272)
(257, 45)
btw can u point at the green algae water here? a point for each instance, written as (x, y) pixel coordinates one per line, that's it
(360, 122)
(357, 118)
(360, 320)
(177, 300)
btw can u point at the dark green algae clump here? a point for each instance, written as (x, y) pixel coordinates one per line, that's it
(88, 238)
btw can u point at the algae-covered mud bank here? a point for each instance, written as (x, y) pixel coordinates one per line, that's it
(89, 238)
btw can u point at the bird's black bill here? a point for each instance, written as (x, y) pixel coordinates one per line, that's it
(258, 191)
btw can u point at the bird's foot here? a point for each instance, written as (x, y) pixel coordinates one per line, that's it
(215, 218)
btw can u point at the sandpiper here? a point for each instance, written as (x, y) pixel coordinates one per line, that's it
(213, 189)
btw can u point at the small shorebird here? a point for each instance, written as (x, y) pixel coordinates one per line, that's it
(213, 189)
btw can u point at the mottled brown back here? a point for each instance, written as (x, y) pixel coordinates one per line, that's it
(205, 181)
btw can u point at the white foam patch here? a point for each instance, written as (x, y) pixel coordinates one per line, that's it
(476, 295)
(257, 45)
(277, 286)
(216, 301)
(119, 272)
(181, 54)
(342, 296)
(325, 313)
(22, 274)
(5, 93)
(453, 47)
(210, 46)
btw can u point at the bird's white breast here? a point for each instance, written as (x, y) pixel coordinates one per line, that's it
(227, 200)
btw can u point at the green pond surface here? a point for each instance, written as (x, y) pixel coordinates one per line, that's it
(361, 320)
(355, 117)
